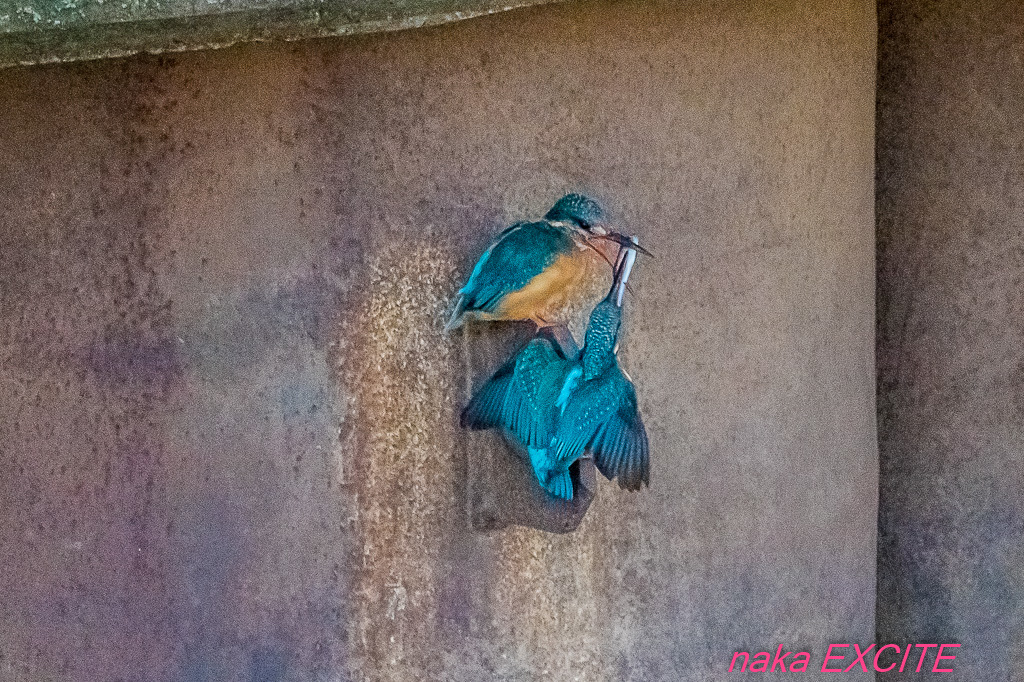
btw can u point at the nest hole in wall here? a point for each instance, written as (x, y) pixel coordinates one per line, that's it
(501, 488)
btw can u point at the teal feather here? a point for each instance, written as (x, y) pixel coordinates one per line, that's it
(599, 415)
(520, 399)
(572, 379)
(520, 253)
(620, 446)
(602, 417)
(578, 208)
(601, 337)
(538, 376)
(486, 409)
(555, 481)
(548, 407)
(523, 251)
(560, 485)
(559, 409)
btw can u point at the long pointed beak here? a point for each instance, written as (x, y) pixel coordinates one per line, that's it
(625, 242)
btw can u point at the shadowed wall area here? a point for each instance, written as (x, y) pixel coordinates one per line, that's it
(230, 450)
(951, 330)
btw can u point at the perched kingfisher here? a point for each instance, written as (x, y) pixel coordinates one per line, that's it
(557, 406)
(533, 270)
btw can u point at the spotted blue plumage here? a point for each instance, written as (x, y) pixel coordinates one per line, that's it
(601, 417)
(600, 414)
(521, 399)
(557, 409)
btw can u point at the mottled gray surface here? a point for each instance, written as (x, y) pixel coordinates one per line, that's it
(229, 448)
(951, 330)
(45, 31)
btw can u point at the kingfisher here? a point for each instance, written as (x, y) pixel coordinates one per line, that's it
(599, 412)
(534, 270)
(534, 394)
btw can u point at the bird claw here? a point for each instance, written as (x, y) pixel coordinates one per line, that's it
(563, 340)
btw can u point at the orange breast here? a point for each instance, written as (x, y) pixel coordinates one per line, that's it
(545, 292)
(548, 297)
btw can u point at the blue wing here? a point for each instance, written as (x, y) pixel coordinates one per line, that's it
(486, 408)
(515, 397)
(601, 417)
(531, 397)
(520, 399)
(520, 253)
(620, 446)
(584, 412)
(555, 481)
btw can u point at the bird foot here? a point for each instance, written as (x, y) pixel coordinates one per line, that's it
(563, 340)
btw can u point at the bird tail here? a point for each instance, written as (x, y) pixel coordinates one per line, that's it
(456, 319)
(560, 485)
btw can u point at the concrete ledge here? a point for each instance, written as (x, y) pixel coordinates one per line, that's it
(46, 31)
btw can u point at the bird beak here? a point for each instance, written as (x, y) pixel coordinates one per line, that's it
(626, 242)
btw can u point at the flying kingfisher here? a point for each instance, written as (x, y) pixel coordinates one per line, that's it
(599, 412)
(533, 270)
(539, 391)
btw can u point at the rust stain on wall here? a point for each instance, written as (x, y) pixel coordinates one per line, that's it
(556, 593)
(547, 593)
(396, 453)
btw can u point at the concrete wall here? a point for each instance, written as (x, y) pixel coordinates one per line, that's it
(951, 330)
(229, 445)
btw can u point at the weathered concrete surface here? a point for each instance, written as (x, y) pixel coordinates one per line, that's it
(44, 31)
(229, 444)
(951, 330)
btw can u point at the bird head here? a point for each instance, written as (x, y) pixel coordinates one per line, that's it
(583, 211)
(589, 219)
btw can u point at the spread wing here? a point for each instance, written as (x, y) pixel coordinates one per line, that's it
(602, 417)
(520, 253)
(486, 408)
(620, 446)
(531, 398)
(517, 397)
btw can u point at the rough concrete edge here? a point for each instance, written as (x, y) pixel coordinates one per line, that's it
(181, 34)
